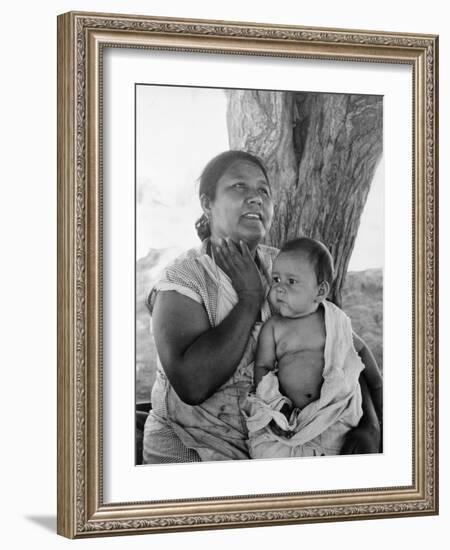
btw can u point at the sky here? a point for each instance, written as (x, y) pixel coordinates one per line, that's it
(178, 130)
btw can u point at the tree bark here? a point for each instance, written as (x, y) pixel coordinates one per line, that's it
(321, 151)
(261, 123)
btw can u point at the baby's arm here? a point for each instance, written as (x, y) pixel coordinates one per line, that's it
(372, 375)
(265, 360)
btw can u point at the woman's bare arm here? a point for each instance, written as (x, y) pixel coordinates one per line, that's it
(367, 436)
(372, 375)
(196, 357)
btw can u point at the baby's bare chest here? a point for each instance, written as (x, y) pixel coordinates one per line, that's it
(300, 335)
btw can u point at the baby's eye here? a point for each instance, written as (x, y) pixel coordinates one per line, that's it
(239, 185)
(275, 279)
(292, 281)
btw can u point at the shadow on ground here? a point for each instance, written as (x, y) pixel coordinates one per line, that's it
(46, 522)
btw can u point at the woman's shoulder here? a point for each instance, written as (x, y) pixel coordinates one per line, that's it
(183, 274)
(186, 258)
(190, 268)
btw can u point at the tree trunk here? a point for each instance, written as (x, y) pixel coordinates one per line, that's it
(261, 123)
(321, 151)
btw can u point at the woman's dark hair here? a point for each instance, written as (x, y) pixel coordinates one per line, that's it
(317, 253)
(211, 174)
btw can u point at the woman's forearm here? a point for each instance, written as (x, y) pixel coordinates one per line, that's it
(369, 414)
(366, 437)
(213, 357)
(196, 357)
(373, 379)
(369, 420)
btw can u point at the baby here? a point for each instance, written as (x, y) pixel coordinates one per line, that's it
(307, 367)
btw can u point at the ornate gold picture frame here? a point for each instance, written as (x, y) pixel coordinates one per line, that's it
(83, 511)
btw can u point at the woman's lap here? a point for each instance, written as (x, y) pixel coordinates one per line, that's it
(162, 445)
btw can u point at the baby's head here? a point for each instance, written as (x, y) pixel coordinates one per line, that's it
(302, 275)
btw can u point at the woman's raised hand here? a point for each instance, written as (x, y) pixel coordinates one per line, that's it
(239, 265)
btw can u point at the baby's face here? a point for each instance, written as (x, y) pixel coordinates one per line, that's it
(294, 285)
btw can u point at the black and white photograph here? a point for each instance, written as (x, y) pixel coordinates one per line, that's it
(247, 283)
(259, 247)
(225, 253)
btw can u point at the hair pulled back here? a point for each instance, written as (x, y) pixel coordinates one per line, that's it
(211, 174)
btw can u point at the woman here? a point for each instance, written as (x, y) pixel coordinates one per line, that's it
(206, 314)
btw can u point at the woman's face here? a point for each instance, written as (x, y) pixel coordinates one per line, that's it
(242, 208)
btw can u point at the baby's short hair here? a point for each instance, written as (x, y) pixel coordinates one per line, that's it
(317, 253)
